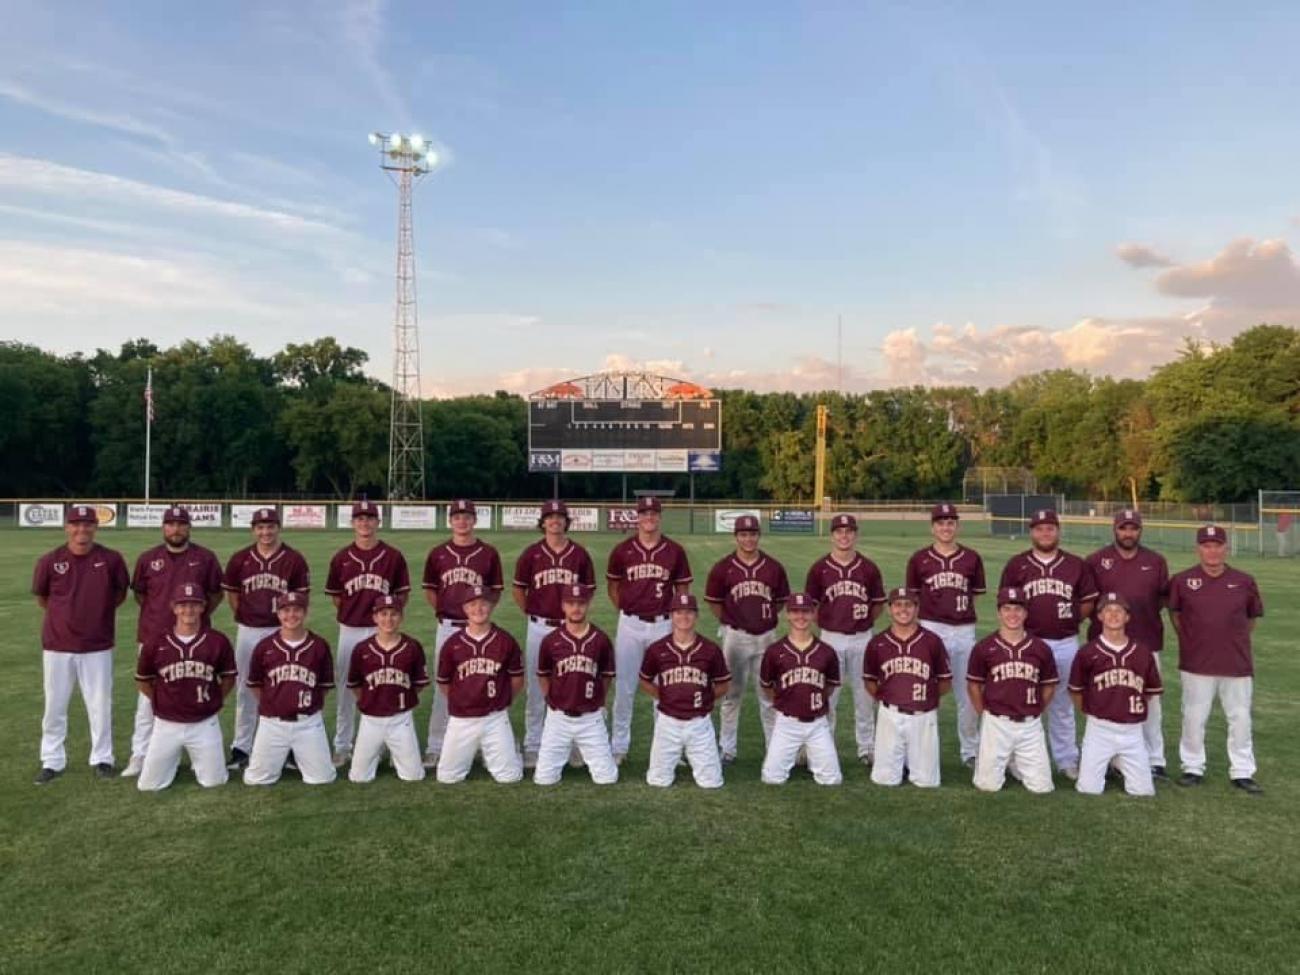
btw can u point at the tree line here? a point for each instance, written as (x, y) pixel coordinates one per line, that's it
(1214, 424)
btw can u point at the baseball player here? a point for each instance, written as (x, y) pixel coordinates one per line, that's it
(544, 571)
(797, 676)
(684, 673)
(359, 574)
(644, 573)
(1111, 680)
(1214, 608)
(186, 674)
(745, 591)
(158, 571)
(948, 577)
(1141, 576)
(451, 570)
(79, 586)
(290, 674)
(906, 669)
(255, 578)
(850, 593)
(1061, 592)
(480, 670)
(1012, 677)
(385, 673)
(575, 664)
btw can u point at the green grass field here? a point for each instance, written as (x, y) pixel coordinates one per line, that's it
(404, 877)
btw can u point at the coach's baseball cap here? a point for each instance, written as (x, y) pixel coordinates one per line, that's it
(686, 602)
(746, 523)
(188, 592)
(462, 506)
(365, 509)
(291, 599)
(1128, 516)
(1211, 535)
(577, 593)
(266, 516)
(387, 602)
(177, 514)
(1012, 596)
(943, 509)
(553, 508)
(844, 521)
(1112, 599)
(800, 600)
(1044, 516)
(901, 594)
(81, 514)
(648, 503)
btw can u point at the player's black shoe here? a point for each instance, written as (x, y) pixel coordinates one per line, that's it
(47, 775)
(1249, 786)
(104, 770)
(289, 764)
(1190, 779)
(1158, 772)
(238, 760)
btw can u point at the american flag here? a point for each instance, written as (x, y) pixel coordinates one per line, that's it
(148, 399)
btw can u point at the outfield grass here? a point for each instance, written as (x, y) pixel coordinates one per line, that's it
(398, 877)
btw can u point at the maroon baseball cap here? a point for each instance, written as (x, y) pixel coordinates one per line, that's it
(1210, 534)
(648, 503)
(577, 593)
(1112, 599)
(943, 509)
(479, 592)
(844, 521)
(903, 594)
(685, 601)
(800, 600)
(188, 592)
(1128, 516)
(553, 508)
(462, 506)
(365, 509)
(746, 523)
(1012, 596)
(1044, 516)
(81, 514)
(177, 514)
(291, 599)
(387, 602)
(266, 516)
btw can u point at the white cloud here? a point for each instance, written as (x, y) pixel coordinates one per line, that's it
(1142, 255)
(1245, 273)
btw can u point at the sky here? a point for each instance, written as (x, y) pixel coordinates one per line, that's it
(967, 192)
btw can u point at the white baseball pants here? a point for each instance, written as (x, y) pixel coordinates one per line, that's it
(1003, 741)
(142, 726)
(396, 733)
(1062, 735)
(201, 739)
(93, 673)
(561, 734)
(1106, 740)
(852, 648)
(438, 713)
(910, 740)
(275, 739)
(490, 734)
(789, 737)
(535, 715)
(246, 640)
(672, 737)
(959, 641)
(345, 709)
(1152, 731)
(1234, 695)
(630, 642)
(744, 653)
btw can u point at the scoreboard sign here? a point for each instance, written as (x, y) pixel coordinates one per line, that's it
(605, 435)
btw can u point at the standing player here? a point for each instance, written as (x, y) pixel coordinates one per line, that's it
(1111, 680)
(849, 593)
(644, 573)
(360, 573)
(574, 666)
(684, 673)
(480, 670)
(906, 668)
(158, 571)
(1214, 608)
(451, 571)
(1012, 678)
(186, 674)
(1061, 592)
(948, 576)
(545, 570)
(255, 578)
(290, 674)
(1141, 576)
(745, 591)
(79, 586)
(798, 675)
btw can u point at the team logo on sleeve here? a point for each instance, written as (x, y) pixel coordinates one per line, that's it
(61, 567)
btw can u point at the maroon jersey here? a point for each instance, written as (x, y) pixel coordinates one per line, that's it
(844, 593)
(477, 671)
(361, 576)
(1114, 680)
(947, 584)
(578, 668)
(158, 572)
(259, 582)
(452, 570)
(1055, 589)
(1214, 621)
(390, 680)
(646, 576)
(907, 672)
(751, 594)
(81, 593)
(186, 674)
(1012, 675)
(293, 678)
(685, 675)
(1143, 581)
(801, 679)
(543, 572)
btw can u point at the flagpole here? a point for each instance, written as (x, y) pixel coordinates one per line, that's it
(148, 429)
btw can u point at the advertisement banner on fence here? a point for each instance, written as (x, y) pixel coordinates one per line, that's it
(204, 515)
(241, 515)
(670, 461)
(607, 460)
(639, 460)
(575, 460)
(106, 512)
(304, 516)
(413, 517)
(343, 515)
(724, 519)
(620, 519)
(483, 522)
(40, 515)
(792, 521)
(520, 516)
(584, 519)
(704, 461)
(543, 461)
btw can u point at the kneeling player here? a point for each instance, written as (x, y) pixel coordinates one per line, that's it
(798, 675)
(1011, 678)
(685, 673)
(906, 670)
(480, 669)
(186, 675)
(575, 663)
(385, 675)
(289, 674)
(1110, 681)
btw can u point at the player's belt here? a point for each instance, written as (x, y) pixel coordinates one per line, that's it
(794, 717)
(576, 714)
(1017, 718)
(545, 622)
(895, 707)
(648, 619)
(451, 622)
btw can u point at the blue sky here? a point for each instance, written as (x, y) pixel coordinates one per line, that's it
(976, 190)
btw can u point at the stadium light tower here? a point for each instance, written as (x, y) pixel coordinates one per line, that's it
(406, 158)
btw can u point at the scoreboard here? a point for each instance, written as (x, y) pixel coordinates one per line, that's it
(575, 435)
